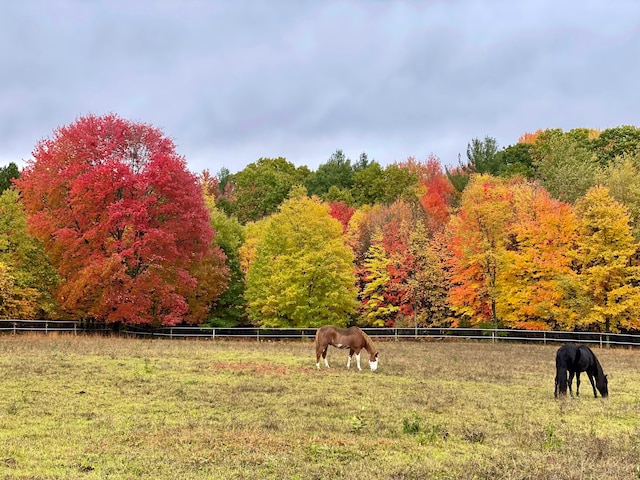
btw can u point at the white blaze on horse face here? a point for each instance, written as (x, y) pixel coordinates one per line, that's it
(374, 365)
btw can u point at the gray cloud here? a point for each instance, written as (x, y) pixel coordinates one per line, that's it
(233, 81)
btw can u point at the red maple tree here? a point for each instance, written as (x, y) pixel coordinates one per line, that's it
(438, 195)
(124, 222)
(341, 211)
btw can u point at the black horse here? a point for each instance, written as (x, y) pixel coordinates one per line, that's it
(576, 359)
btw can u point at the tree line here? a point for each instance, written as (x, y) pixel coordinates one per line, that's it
(106, 224)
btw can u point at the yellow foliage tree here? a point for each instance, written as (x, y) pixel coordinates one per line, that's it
(605, 246)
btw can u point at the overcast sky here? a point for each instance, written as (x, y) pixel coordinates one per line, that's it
(232, 81)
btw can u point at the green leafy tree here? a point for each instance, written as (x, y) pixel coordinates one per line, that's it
(459, 176)
(515, 160)
(262, 186)
(28, 279)
(368, 184)
(622, 177)
(564, 164)
(603, 253)
(362, 163)
(229, 309)
(7, 174)
(336, 172)
(616, 142)
(302, 274)
(336, 194)
(401, 182)
(483, 157)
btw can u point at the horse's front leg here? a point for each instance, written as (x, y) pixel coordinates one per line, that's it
(358, 361)
(570, 383)
(349, 358)
(593, 385)
(577, 384)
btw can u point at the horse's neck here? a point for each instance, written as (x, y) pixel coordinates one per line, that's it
(368, 344)
(599, 371)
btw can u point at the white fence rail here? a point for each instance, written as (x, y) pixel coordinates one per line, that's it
(398, 334)
(16, 326)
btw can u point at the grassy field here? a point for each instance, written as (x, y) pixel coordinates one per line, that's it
(89, 408)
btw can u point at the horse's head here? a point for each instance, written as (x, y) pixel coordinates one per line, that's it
(373, 361)
(603, 386)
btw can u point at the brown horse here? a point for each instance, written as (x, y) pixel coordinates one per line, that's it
(352, 338)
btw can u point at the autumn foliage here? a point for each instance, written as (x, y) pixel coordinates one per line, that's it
(123, 222)
(543, 234)
(529, 137)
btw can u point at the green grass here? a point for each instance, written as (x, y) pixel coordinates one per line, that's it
(89, 408)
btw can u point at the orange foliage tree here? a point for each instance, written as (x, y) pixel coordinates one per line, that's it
(123, 222)
(529, 137)
(478, 235)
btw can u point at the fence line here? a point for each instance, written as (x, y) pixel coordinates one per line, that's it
(397, 334)
(17, 326)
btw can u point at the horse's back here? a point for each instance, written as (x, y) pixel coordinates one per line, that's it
(588, 358)
(332, 334)
(567, 356)
(327, 333)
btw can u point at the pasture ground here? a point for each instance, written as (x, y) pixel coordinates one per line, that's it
(97, 408)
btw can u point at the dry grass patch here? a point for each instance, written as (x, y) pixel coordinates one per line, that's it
(82, 407)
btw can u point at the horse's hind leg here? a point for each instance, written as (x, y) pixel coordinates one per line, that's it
(324, 355)
(321, 352)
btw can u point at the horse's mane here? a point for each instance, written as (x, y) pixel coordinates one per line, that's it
(597, 362)
(370, 346)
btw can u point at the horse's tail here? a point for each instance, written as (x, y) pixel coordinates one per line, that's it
(318, 332)
(561, 373)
